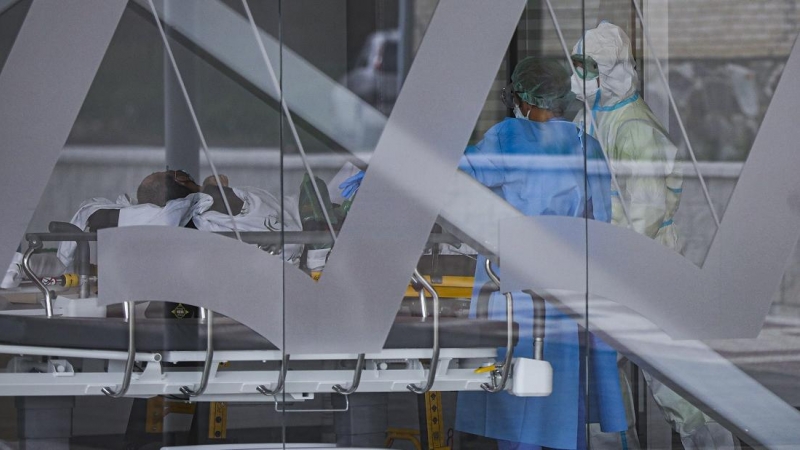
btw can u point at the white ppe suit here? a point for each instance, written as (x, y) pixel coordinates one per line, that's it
(643, 160)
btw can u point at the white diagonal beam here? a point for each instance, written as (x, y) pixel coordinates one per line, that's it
(310, 94)
(42, 87)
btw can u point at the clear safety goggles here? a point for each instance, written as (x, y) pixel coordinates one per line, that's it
(507, 95)
(585, 66)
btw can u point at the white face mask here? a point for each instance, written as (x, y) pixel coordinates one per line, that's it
(592, 86)
(518, 112)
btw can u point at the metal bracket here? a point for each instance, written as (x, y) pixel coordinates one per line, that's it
(284, 410)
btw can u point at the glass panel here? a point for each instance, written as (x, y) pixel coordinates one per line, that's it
(344, 64)
(134, 156)
(546, 162)
(666, 344)
(723, 83)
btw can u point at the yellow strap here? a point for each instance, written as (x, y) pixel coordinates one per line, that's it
(218, 420)
(449, 287)
(434, 418)
(486, 369)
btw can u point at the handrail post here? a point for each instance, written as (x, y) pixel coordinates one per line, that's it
(356, 378)
(34, 243)
(435, 356)
(504, 371)
(209, 358)
(126, 379)
(281, 379)
(539, 318)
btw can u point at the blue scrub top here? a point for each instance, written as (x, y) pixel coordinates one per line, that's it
(540, 169)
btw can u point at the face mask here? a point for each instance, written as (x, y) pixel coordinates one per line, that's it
(518, 112)
(577, 87)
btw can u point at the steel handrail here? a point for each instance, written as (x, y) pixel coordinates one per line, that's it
(33, 245)
(435, 356)
(356, 378)
(126, 378)
(281, 379)
(209, 358)
(505, 370)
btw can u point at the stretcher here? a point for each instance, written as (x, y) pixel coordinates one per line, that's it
(137, 352)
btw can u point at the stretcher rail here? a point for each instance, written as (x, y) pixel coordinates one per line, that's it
(249, 237)
(435, 356)
(130, 361)
(209, 360)
(281, 379)
(494, 386)
(209, 383)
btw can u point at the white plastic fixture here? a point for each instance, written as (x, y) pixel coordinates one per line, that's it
(532, 378)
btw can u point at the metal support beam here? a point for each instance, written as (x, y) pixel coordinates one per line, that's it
(181, 142)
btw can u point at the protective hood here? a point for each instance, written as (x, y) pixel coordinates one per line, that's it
(611, 49)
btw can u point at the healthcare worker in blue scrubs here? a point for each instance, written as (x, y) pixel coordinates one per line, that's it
(543, 164)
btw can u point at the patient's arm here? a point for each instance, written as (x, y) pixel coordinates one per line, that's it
(219, 205)
(103, 218)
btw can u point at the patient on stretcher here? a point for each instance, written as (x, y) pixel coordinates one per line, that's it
(173, 198)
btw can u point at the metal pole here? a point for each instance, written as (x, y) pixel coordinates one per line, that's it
(181, 142)
(405, 27)
(511, 61)
(77, 353)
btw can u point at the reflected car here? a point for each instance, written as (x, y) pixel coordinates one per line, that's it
(375, 75)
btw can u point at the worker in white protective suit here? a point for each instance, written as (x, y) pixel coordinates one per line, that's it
(643, 159)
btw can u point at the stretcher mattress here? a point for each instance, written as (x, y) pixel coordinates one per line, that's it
(162, 334)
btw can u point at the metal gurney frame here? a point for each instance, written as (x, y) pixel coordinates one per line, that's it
(139, 368)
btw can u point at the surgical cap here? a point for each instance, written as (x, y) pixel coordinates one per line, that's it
(542, 83)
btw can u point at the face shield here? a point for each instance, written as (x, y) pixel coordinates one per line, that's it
(608, 49)
(585, 66)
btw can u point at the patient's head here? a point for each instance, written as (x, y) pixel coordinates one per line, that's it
(160, 187)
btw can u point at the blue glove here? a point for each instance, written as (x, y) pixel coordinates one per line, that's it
(350, 186)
